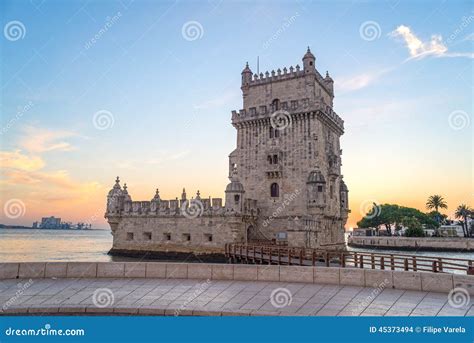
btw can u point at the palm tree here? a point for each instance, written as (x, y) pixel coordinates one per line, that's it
(436, 202)
(463, 211)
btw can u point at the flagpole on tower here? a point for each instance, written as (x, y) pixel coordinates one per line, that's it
(258, 65)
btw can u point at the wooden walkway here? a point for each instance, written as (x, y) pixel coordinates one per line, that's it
(282, 255)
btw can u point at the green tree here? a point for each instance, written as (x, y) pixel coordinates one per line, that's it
(463, 212)
(391, 216)
(435, 202)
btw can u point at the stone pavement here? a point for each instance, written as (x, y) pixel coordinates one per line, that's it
(216, 297)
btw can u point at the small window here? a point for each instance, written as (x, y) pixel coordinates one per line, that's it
(274, 190)
(129, 236)
(275, 159)
(208, 237)
(253, 111)
(331, 191)
(186, 237)
(277, 133)
(236, 198)
(275, 105)
(263, 109)
(147, 236)
(167, 236)
(294, 104)
(310, 63)
(320, 189)
(284, 105)
(272, 130)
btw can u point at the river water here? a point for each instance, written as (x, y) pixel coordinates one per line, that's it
(29, 245)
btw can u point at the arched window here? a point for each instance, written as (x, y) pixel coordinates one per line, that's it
(274, 190)
(275, 159)
(236, 198)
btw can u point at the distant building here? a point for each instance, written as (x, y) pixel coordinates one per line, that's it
(50, 223)
(53, 223)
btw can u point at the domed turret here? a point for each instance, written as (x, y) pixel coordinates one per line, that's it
(234, 193)
(246, 75)
(344, 195)
(329, 82)
(316, 189)
(309, 62)
(316, 177)
(115, 198)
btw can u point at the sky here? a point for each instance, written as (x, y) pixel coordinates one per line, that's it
(145, 89)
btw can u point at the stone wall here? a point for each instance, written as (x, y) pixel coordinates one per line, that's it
(204, 233)
(418, 281)
(412, 243)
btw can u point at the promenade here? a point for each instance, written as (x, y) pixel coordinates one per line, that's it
(186, 297)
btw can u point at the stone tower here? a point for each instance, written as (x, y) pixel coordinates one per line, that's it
(288, 156)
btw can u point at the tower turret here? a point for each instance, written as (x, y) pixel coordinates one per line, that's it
(246, 77)
(309, 62)
(329, 82)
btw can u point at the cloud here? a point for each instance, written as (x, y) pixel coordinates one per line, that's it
(17, 160)
(419, 49)
(165, 157)
(355, 82)
(40, 140)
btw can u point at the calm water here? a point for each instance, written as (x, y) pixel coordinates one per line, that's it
(23, 245)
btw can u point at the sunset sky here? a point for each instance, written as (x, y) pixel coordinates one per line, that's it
(92, 90)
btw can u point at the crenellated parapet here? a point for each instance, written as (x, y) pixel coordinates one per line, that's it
(120, 204)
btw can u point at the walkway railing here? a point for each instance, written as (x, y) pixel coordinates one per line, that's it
(270, 254)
